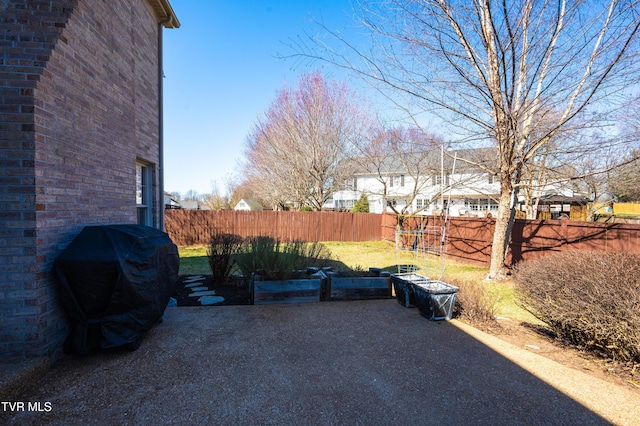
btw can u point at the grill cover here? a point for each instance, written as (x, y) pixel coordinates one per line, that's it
(115, 282)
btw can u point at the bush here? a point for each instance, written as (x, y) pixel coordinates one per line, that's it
(221, 254)
(589, 298)
(275, 260)
(362, 205)
(474, 303)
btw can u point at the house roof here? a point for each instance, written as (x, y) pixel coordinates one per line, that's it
(563, 199)
(424, 162)
(165, 13)
(253, 204)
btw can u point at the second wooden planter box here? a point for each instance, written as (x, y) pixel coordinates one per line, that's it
(359, 288)
(286, 291)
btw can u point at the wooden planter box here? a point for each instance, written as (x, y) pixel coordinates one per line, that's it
(359, 288)
(303, 290)
(319, 287)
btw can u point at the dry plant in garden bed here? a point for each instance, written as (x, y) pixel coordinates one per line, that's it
(277, 260)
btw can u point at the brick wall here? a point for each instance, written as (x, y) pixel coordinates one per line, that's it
(78, 89)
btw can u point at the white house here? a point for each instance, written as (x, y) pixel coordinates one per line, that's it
(248, 205)
(425, 183)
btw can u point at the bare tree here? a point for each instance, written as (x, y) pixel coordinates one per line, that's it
(250, 189)
(296, 149)
(402, 161)
(192, 195)
(492, 68)
(624, 182)
(216, 200)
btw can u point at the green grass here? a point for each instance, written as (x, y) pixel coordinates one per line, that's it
(382, 254)
(193, 260)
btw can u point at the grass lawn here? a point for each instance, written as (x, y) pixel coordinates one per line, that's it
(382, 254)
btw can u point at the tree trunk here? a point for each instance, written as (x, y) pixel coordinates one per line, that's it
(501, 234)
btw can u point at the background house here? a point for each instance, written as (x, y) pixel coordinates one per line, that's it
(248, 205)
(81, 144)
(170, 202)
(194, 205)
(426, 183)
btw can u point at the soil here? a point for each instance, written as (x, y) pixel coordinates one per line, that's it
(534, 338)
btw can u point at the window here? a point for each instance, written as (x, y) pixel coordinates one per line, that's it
(143, 194)
(437, 180)
(492, 179)
(397, 180)
(351, 184)
(345, 204)
(481, 204)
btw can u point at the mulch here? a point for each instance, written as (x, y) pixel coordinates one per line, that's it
(234, 291)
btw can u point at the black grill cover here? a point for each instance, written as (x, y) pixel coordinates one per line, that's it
(115, 282)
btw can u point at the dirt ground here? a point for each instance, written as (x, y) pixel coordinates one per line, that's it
(530, 337)
(543, 342)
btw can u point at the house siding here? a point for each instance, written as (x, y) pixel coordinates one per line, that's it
(79, 106)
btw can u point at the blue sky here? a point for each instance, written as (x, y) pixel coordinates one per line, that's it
(221, 72)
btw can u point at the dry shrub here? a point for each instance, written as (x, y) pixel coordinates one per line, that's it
(474, 303)
(277, 260)
(221, 254)
(590, 298)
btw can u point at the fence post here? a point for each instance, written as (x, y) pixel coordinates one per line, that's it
(564, 233)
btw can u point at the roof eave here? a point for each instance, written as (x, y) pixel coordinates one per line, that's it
(166, 16)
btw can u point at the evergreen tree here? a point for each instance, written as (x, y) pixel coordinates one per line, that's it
(362, 205)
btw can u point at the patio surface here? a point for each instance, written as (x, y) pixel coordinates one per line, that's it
(365, 362)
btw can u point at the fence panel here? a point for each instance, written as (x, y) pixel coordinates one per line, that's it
(469, 239)
(188, 227)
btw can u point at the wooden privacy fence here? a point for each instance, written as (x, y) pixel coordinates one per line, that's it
(188, 227)
(470, 239)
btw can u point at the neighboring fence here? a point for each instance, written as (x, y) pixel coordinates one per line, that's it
(470, 239)
(626, 208)
(188, 227)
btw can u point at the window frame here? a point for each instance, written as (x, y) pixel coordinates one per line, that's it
(144, 193)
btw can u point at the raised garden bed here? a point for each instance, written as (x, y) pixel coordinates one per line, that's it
(434, 299)
(285, 291)
(320, 286)
(377, 286)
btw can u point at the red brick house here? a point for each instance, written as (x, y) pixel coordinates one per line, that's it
(80, 144)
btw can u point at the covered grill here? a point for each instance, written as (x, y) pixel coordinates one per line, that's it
(115, 282)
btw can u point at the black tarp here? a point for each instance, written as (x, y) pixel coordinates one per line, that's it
(115, 282)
